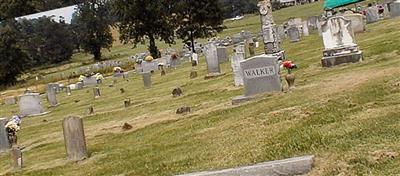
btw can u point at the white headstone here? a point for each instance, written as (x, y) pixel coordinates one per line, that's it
(89, 81)
(51, 95)
(337, 32)
(212, 58)
(238, 57)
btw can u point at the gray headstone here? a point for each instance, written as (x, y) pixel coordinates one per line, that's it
(395, 9)
(212, 58)
(147, 80)
(294, 34)
(68, 90)
(55, 86)
(312, 22)
(357, 22)
(149, 66)
(319, 28)
(89, 81)
(79, 85)
(10, 100)
(222, 55)
(51, 95)
(4, 144)
(305, 29)
(286, 167)
(96, 92)
(281, 32)
(238, 57)
(372, 15)
(30, 104)
(261, 74)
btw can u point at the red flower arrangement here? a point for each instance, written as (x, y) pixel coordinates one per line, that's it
(289, 65)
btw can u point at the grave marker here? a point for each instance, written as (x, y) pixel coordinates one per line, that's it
(51, 95)
(30, 104)
(294, 34)
(147, 80)
(238, 57)
(74, 138)
(4, 143)
(10, 100)
(260, 75)
(395, 9)
(339, 42)
(222, 55)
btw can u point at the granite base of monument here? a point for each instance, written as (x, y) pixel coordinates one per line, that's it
(291, 166)
(331, 61)
(213, 75)
(241, 99)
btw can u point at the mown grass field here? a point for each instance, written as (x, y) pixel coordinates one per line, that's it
(347, 116)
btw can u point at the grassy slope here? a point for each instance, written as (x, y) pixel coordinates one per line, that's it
(347, 116)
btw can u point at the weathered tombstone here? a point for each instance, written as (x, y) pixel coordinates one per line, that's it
(339, 42)
(294, 34)
(292, 166)
(89, 81)
(183, 110)
(372, 15)
(91, 110)
(269, 33)
(127, 103)
(212, 58)
(149, 66)
(96, 92)
(55, 86)
(4, 143)
(16, 158)
(10, 100)
(146, 80)
(357, 22)
(395, 9)
(51, 95)
(238, 57)
(193, 74)
(30, 104)
(319, 28)
(305, 29)
(312, 22)
(79, 85)
(68, 90)
(281, 32)
(74, 138)
(222, 55)
(177, 92)
(260, 75)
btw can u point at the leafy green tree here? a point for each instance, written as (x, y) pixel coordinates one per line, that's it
(94, 22)
(46, 41)
(15, 8)
(197, 19)
(13, 61)
(139, 20)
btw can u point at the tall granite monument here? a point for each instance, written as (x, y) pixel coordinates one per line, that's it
(268, 29)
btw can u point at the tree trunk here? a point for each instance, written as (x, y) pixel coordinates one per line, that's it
(97, 54)
(153, 48)
(192, 41)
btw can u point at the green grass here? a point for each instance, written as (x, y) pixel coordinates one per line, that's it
(346, 116)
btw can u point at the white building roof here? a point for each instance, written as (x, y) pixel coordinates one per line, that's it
(56, 14)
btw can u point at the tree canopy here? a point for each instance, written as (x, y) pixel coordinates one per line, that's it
(93, 24)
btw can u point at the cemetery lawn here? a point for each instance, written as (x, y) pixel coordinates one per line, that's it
(347, 116)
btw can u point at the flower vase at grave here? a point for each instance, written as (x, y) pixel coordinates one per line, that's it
(290, 78)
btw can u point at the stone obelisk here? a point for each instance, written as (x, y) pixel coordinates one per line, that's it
(270, 35)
